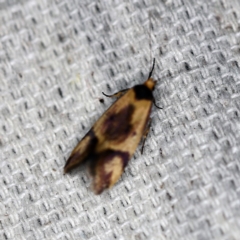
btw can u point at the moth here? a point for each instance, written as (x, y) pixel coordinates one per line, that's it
(113, 139)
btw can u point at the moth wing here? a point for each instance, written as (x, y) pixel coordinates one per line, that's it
(121, 127)
(81, 152)
(107, 168)
(119, 132)
(98, 135)
(112, 140)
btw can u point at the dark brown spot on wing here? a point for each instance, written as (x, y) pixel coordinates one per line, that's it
(117, 126)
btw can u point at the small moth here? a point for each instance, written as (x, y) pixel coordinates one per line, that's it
(113, 139)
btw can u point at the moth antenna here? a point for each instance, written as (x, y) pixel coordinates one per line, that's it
(117, 94)
(150, 42)
(150, 74)
(150, 33)
(106, 95)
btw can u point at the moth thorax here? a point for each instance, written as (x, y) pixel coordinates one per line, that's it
(150, 83)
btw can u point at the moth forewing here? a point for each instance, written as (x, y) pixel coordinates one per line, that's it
(81, 151)
(113, 139)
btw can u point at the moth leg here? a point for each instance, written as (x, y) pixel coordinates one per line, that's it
(145, 135)
(117, 94)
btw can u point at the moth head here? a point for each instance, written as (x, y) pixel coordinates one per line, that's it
(150, 83)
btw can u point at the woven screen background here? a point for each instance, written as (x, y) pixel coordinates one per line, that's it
(56, 58)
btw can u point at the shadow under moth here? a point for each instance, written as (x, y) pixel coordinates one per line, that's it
(113, 139)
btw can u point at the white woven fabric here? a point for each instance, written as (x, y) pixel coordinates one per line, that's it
(56, 57)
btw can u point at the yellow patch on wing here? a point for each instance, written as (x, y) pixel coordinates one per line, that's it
(115, 168)
(107, 169)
